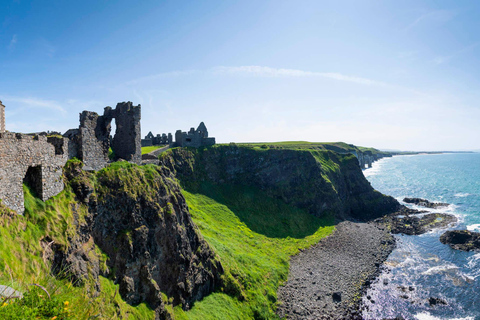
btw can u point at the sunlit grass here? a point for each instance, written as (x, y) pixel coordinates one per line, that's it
(256, 262)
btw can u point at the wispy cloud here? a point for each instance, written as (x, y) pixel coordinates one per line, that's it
(34, 103)
(162, 75)
(46, 47)
(441, 16)
(260, 71)
(13, 42)
(446, 59)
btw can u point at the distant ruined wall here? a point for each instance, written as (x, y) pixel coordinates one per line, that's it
(34, 160)
(2, 117)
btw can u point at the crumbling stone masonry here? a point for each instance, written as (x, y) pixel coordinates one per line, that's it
(91, 141)
(127, 142)
(32, 159)
(2, 117)
(151, 140)
(38, 160)
(194, 138)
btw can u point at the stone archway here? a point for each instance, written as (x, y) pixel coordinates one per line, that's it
(33, 179)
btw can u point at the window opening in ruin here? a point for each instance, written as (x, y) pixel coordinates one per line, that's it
(188, 139)
(57, 143)
(33, 180)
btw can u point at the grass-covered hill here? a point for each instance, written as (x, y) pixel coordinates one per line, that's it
(319, 181)
(208, 234)
(339, 147)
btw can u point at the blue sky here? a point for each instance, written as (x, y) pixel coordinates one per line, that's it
(388, 74)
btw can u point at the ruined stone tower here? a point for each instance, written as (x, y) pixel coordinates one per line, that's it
(127, 141)
(2, 117)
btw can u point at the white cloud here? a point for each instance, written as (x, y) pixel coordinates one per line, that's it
(13, 42)
(161, 75)
(445, 59)
(276, 72)
(34, 103)
(440, 16)
(259, 71)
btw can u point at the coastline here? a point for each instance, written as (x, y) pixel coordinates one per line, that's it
(328, 280)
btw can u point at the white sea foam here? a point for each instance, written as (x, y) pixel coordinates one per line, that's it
(428, 316)
(462, 194)
(474, 227)
(441, 269)
(474, 265)
(376, 168)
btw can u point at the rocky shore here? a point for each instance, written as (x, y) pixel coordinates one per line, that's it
(327, 281)
(425, 203)
(461, 240)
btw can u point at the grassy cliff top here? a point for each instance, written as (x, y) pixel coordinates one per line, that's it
(340, 147)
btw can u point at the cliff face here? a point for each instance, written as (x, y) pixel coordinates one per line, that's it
(319, 181)
(137, 217)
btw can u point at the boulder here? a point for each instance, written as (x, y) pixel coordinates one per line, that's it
(425, 203)
(461, 240)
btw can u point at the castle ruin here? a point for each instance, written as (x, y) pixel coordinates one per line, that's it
(193, 138)
(2, 117)
(38, 159)
(35, 160)
(91, 141)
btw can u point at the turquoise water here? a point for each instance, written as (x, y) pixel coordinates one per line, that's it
(421, 267)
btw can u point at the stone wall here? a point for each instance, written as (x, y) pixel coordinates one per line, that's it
(194, 138)
(38, 160)
(42, 160)
(91, 141)
(94, 137)
(127, 142)
(2, 117)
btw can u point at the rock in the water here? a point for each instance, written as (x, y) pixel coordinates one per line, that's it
(425, 203)
(414, 225)
(9, 293)
(436, 301)
(461, 240)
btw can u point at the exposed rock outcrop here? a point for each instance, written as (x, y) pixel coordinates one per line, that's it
(408, 222)
(320, 182)
(425, 203)
(133, 225)
(461, 240)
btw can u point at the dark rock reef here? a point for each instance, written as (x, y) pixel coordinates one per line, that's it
(425, 203)
(133, 225)
(407, 221)
(461, 240)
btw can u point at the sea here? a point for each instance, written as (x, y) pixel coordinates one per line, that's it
(421, 267)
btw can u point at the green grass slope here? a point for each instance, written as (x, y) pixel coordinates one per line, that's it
(150, 149)
(256, 258)
(340, 147)
(253, 233)
(24, 244)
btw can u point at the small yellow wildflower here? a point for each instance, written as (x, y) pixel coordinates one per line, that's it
(54, 318)
(4, 304)
(66, 303)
